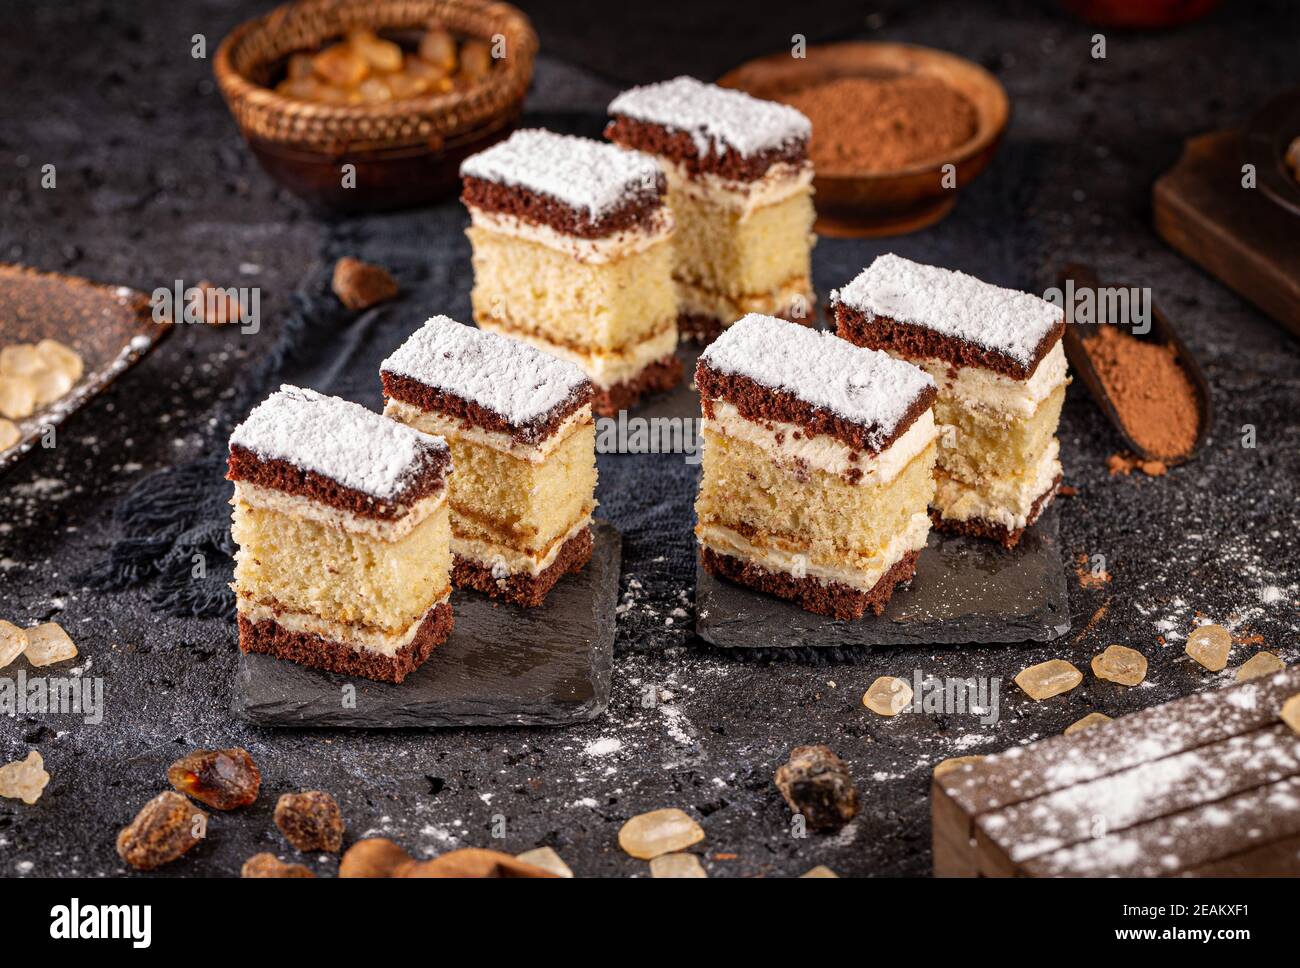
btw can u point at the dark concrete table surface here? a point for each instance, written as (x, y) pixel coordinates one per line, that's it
(154, 184)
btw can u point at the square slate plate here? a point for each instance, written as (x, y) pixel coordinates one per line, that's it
(111, 327)
(501, 666)
(966, 591)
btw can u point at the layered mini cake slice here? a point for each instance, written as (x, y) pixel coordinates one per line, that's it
(818, 466)
(572, 253)
(341, 520)
(740, 187)
(997, 359)
(524, 444)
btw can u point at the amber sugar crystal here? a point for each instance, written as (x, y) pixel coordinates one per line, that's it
(1209, 645)
(222, 779)
(1048, 679)
(1120, 664)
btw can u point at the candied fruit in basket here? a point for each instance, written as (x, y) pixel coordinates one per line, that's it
(475, 58)
(380, 54)
(438, 47)
(365, 68)
(341, 66)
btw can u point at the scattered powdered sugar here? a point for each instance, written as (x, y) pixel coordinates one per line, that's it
(603, 746)
(583, 174)
(512, 379)
(952, 303)
(865, 386)
(716, 118)
(344, 441)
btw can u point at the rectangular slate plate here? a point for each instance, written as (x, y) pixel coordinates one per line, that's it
(501, 666)
(966, 591)
(110, 327)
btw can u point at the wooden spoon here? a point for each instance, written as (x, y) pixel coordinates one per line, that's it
(1162, 331)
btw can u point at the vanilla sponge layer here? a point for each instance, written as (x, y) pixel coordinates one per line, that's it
(977, 443)
(830, 523)
(793, 299)
(587, 307)
(520, 507)
(748, 256)
(859, 572)
(301, 565)
(1006, 500)
(505, 559)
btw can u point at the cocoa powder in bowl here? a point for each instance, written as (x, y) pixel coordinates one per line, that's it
(869, 125)
(1153, 395)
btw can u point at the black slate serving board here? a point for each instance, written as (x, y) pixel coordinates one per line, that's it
(965, 591)
(501, 666)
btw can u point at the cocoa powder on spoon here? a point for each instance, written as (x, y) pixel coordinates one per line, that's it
(1152, 393)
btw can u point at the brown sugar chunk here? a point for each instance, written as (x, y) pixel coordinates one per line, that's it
(268, 865)
(818, 786)
(360, 285)
(164, 829)
(310, 820)
(222, 779)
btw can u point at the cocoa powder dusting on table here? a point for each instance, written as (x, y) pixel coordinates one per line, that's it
(1152, 394)
(872, 125)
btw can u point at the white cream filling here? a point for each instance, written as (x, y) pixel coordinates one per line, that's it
(362, 639)
(976, 386)
(452, 427)
(790, 443)
(781, 181)
(505, 561)
(300, 506)
(1004, 501)
(699, 301)
(794, 561)
(604, 368)
(609, 248)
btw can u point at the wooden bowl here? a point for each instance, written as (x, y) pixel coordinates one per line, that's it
(406, 152)
(886, 203)
(1264, 143)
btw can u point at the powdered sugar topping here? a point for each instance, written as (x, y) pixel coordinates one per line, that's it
(512, 379)
(954, 304)
(343, 441)
(716, 118)
(586, 175)
(866, 387)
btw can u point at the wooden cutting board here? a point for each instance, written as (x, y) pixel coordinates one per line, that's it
(1208, 784)
(1237, 234)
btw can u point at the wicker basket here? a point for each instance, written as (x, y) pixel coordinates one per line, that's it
(296, 139)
